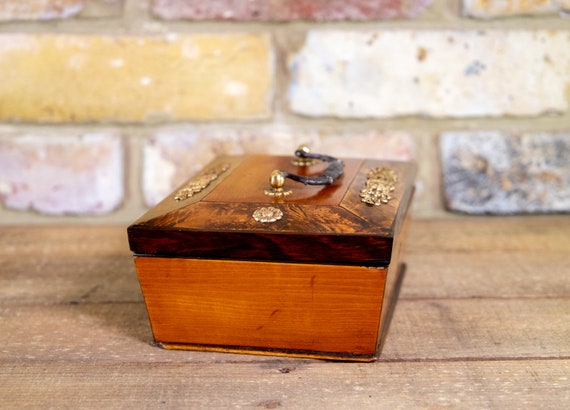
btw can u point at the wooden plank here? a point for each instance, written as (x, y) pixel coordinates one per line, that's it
(517, 256)
(40, 265)
(479, 328)
(462, 329)
(491, 234)
(68, 279)
(288, 383)
(57, 241)
(491, 274)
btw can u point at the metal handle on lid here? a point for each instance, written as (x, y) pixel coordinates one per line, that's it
(305, 158)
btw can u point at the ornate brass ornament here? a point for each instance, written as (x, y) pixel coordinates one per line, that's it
(303, 161)
(380, 183)
(201, 181)
(276, 180)
(267, 214)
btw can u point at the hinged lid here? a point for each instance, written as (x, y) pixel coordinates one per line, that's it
(224, 212)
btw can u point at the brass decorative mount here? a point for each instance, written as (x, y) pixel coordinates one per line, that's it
(380, 183)
(200, 182)
(303, 161)
(277, 180)
(267, 214)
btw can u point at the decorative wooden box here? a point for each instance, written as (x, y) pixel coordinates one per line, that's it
(238, 260)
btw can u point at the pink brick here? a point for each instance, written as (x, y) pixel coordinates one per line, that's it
(171, 157)
(286, 10)
(39, 9)
(62, 174)
(392, 146)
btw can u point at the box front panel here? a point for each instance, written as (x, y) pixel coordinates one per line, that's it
(288, 307)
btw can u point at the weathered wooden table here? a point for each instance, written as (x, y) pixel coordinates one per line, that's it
(483, 321)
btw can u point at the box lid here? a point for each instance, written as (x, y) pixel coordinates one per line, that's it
(230, 211)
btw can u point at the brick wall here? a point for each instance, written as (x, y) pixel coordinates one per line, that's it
(107, 105)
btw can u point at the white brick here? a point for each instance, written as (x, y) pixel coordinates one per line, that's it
(62, 174)
(358, 74)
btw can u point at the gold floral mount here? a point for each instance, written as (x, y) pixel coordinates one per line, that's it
(201, 181)
(380, 183)
(267, 214)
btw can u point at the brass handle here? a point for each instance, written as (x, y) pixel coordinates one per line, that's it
(329, 175)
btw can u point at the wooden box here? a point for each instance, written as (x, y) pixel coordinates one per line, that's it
(243, 259)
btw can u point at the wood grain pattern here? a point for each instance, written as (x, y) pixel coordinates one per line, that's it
(355, 250)
(481, 322)
(248, 182)
(321, 224)
(299, 309)
(290, 384)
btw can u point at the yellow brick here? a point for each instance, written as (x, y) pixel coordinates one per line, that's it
(74, 78)
(496, 8)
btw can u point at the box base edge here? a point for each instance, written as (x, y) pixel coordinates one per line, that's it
(307, 354)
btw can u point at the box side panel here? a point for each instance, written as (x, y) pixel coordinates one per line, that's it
(260, 305)
(395, 275)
